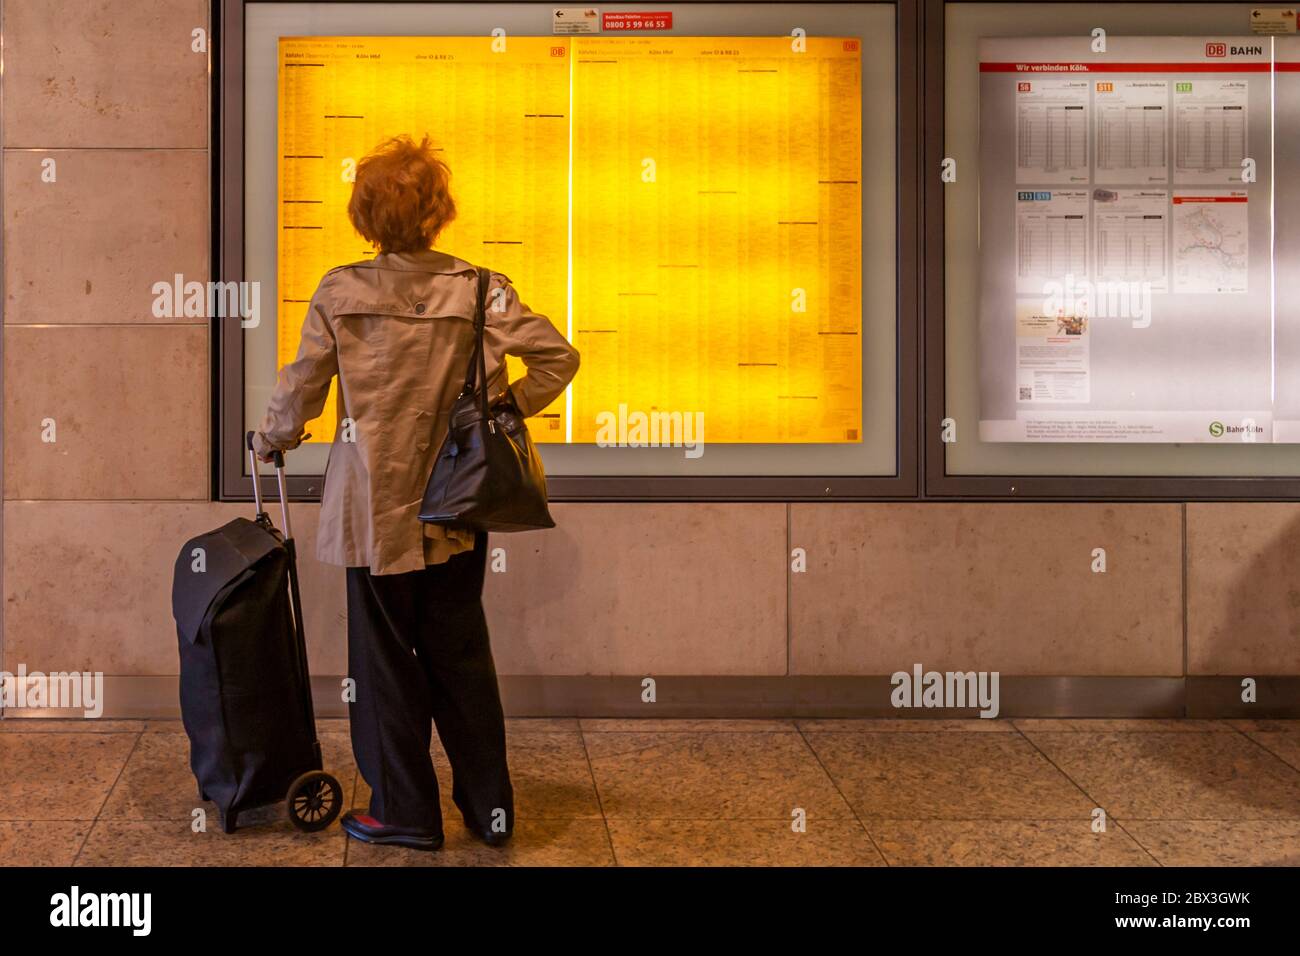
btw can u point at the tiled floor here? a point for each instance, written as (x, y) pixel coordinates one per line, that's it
(722, 792)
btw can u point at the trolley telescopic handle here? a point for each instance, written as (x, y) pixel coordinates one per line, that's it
(252, 469)
(295, 595)
(277, 458)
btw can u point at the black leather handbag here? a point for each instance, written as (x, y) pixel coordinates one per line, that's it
(488, 475)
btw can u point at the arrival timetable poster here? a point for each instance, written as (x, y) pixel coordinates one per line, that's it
(1126, 257)
(687, 210)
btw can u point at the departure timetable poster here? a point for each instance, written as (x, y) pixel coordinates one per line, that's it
(1126, 258)
(687, 210)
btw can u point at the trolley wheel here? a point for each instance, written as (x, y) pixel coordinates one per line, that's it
(314, 800)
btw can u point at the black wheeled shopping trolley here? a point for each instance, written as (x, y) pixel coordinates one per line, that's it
(245, 690)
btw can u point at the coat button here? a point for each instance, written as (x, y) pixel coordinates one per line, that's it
(419, 308)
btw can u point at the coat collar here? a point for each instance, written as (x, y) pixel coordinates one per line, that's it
(428, 260)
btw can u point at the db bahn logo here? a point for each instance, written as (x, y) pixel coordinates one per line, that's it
(1225, 49)
(1022, 87)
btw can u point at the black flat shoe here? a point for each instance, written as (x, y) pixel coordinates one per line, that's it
(367, 829)
(485, 835)
(490, 837)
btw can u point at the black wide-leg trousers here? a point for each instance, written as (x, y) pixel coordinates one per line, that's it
(418, 650)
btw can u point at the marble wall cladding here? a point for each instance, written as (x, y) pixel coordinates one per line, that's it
(643, 589)
(1006, 587)
(127, 408)
(87, 585)
(615, 589)
(1243, 588)
(700, 589)
(92, 245)
(116, 73)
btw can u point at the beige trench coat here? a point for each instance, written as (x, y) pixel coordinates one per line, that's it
(398, 332)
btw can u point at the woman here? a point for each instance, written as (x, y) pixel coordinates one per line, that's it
(398, 332)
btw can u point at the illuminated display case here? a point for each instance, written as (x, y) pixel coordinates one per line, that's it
(1113, 315)
(710, 207)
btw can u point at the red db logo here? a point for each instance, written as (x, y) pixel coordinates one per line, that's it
(1216, 49)
(1022, 87)
(557, 51)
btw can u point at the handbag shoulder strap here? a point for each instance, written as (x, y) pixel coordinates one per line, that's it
(477, 361)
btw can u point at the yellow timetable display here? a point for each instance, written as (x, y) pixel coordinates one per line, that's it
(687, 210)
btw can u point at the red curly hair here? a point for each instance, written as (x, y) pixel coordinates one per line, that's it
(401, 198)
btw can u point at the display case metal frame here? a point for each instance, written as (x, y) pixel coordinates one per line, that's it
(232, 482)
(938, 483)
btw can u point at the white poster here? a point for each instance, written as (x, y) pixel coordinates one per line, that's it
(1051, 354)
(1126, 213)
